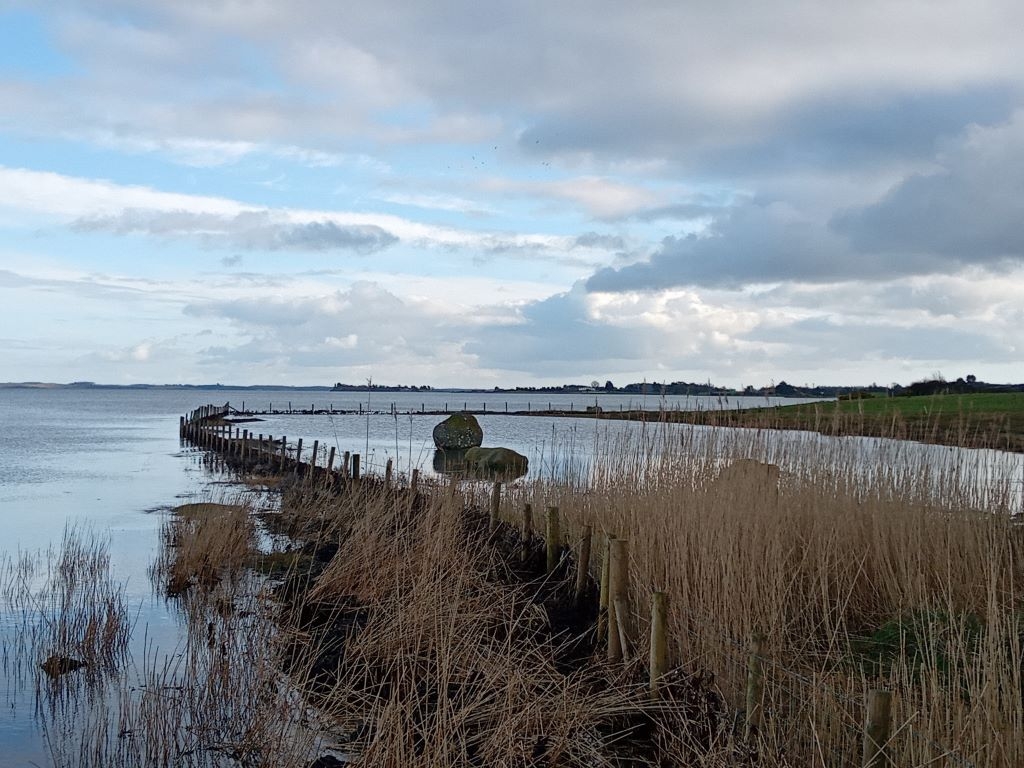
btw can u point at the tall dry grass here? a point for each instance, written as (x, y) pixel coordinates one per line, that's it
(204, 543)
(870, 563)
(408, 634)
(421, 642)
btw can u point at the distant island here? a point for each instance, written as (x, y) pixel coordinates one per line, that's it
(968, 385)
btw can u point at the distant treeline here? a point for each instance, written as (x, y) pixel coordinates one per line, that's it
(340, 387)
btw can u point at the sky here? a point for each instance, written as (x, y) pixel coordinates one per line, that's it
(521, 193)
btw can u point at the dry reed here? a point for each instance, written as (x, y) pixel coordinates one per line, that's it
(868, 564)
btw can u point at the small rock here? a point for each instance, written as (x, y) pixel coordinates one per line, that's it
(56, 665)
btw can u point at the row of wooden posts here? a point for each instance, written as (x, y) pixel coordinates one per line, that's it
(226, 439)
(614, 625)
(614, 609)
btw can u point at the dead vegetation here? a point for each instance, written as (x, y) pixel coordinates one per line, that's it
(399, 629)
(422, 639)
(69, 612)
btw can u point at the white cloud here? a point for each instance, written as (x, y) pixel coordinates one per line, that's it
(101, 204)
(599, 197)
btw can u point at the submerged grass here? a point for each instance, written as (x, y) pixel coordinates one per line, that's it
(69, 612)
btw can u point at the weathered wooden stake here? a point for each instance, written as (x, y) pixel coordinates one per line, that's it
(877, 723)
(553, 536)
(659, 641)
(284, 451)
(524, 551)
(622, 622)
(602, 604)
(583, 564)
(355, 467)
(618, 599)
(495, 504)
(388, 470)
(755, 685)
(330, 464)
(346, 459)
(313, 459)
(298, 457)
(414, 480)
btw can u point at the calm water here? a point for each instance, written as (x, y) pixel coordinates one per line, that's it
(111, 460)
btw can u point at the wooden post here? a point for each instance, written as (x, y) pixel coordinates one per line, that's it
(284, 449)
(346, 458)
(877, 723)
(313, 459)
(181, 427)
(243, 452)
(298, 456)
(622, 623)
(553, 535)
(495, 504)
(583, 564)
(355, 467)
(414, 481)
(330, 465)
(659, 641)
(755, 685)
(618, 599)
(524, 552)
(602, 605)
(388, 470)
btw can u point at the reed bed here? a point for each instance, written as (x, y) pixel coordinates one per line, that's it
(399, 628)
(204, 543)
(867, 563)
(429, 646)
(220, 700)
(67, 613)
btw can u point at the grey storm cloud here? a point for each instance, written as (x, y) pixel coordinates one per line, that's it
(551, 333)
(969, 210)
(249, 230)
(754, 243)
(965, 213)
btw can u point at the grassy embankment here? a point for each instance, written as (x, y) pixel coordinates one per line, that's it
(974, 420)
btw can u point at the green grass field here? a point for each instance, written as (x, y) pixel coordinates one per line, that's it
(989, 405)
(976, 420)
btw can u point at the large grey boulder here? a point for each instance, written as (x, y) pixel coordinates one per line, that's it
(458, 432)
(496, 461)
